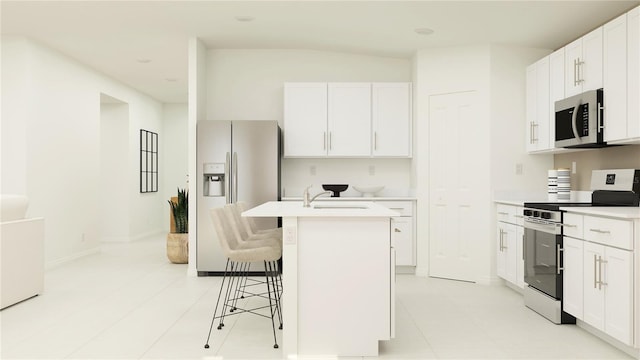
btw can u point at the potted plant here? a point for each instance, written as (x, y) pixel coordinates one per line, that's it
(178, 237)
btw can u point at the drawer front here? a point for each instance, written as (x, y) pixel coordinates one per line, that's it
(573, 225)
(611, 232)
(506, 213)
(518, 215)
(405, 208)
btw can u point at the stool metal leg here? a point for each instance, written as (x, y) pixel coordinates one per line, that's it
(213, 318)
(273, 326)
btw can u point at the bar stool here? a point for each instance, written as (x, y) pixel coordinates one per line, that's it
(237, 255)
(250, 225)
(245, 240)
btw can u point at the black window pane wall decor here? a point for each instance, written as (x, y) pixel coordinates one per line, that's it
(148, 161)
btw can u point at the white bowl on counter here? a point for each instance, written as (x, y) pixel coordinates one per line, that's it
(368, 190)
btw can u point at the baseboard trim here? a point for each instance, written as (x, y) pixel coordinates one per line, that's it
(126, 239)
(629, 350)
(55, 263)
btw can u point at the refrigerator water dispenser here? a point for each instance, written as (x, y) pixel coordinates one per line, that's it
(214, 179)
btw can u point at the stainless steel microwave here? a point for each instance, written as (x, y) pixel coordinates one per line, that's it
(579, 121)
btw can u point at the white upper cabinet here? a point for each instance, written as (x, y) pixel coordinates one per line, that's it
(391, 119)
(305, 119)
(583, 63)
(556, 90)
(633, 76)
(349, 121)
(615, 79)
(538, 107)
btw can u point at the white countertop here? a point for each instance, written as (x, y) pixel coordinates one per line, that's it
(344, 209)
(354, 198)
(623, 212)
(510, 202)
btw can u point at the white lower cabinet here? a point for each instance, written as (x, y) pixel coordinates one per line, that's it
(507, 258)
(572, 277)
(402, 231)
(520, 256)
(402, 239)
(608, 288)
(509, 245)
(598, 279)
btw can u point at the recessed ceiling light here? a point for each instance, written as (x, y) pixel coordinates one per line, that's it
(424, 31)
(143, 60)
(244, 18)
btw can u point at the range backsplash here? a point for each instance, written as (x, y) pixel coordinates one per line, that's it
(616, 157)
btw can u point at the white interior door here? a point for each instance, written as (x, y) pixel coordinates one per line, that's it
(453, 121)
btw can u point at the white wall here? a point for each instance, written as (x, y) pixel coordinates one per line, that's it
(114, 184)
(57, 102)
(197, 111)
(248, 85)
(15, 77)
(174, 149)
(508, 120)
(497, 73)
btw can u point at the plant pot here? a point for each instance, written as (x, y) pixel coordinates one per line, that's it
(178, 248)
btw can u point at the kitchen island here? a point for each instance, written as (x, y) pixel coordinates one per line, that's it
(338, 277)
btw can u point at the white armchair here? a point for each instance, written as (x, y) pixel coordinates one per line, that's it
(21, 252)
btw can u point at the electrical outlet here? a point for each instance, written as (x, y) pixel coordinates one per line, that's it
(372, 170)
(312, 169)
(519, 169)
(573, 167)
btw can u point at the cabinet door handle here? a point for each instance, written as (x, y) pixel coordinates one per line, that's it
(595, 274)
(558, 259)
(519, 216)
(600, 282)
(568, 225)
(533, 133)
(600, 231)
(575, 72)
(501, 246)
(503, 213)
(375, 140)
(329, 140)
(580, 71)
(530, 132)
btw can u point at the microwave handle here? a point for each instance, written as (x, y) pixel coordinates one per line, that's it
(574, 117)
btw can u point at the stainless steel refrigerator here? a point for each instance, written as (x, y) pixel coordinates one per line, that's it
(236, 161)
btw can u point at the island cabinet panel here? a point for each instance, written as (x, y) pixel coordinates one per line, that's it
(338, 273)
(344, 293)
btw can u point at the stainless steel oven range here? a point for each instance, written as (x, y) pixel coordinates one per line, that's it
(543, 239)
(543, 261)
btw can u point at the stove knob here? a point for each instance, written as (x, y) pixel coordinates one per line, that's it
(528, 213)
(536, 214)
(545, 215)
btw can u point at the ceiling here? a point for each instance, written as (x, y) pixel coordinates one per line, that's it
(144, 44)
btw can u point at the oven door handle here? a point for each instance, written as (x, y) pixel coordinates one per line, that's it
(558, 258)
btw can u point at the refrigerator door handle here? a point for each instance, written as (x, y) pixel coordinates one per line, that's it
(227, 178)
(234, 166)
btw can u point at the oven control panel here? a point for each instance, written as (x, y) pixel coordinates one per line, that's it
(550, 216)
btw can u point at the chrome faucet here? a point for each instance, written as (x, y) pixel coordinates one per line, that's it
(306, 201)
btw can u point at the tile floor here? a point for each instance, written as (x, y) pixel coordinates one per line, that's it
(129, 302)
